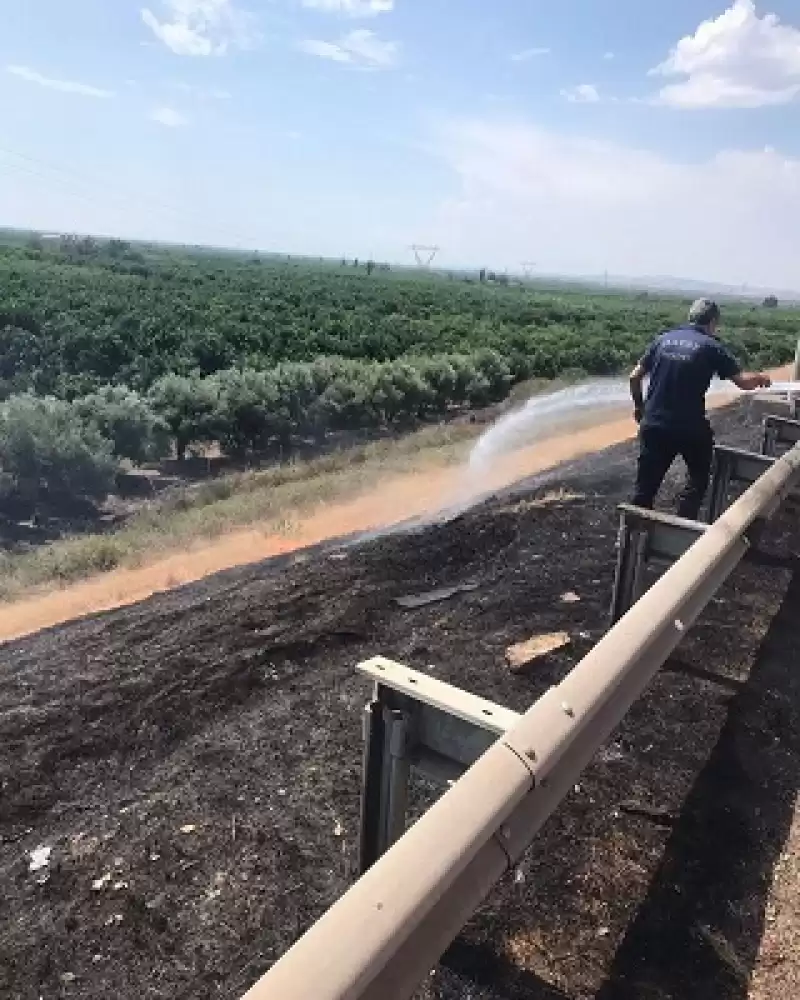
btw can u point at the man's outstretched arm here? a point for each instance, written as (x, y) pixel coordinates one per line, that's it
(728, 368)
(751, 380)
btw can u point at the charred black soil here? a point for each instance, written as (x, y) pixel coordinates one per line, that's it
(193, 764)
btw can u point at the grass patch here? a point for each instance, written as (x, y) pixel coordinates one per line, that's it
(194, 514)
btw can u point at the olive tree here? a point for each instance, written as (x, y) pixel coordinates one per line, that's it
(127, 420)
(45, 444)
(188, 405)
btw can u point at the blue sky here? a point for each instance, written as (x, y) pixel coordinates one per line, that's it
(628, 135)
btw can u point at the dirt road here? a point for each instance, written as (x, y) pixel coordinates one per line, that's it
(396, 500)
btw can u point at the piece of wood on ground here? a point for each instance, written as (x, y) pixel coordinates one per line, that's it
(443, 594)
(521, 654)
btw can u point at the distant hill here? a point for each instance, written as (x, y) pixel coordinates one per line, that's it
(659, 283)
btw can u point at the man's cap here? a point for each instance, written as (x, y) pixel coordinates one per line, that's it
(703, 312)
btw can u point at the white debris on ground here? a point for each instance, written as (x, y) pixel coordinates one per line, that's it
(39, 858)
(100, 883)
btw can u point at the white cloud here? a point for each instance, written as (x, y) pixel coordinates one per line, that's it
(325, 50)
(608, 56)
(361, 48)
(527, 193)
(202, 27)
(738, 60)
(65, 86)
(584, 93)
(527, 54)
(352, 8)
(169, 117)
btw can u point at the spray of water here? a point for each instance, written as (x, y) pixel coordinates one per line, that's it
(541, 418)
(568, 410)
(544, 416)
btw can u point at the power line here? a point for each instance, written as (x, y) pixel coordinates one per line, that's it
(124, 197)
(55, 181)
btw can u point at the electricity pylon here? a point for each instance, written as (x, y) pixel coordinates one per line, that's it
(424, 254)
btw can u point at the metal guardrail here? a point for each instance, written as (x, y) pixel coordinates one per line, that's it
(794, 402)
(779, 434)
(416, 723)
(646, 537)
(380, 940)
(731, 467)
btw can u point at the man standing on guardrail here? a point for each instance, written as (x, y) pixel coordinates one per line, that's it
(680, 365)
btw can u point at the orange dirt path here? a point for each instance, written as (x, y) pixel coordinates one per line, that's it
(394, 500)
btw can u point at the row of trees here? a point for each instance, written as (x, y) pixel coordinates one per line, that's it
(71, 321)
(245, 409)
(75, 447)
(109, 353)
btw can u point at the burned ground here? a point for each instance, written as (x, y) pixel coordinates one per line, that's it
(193, 762)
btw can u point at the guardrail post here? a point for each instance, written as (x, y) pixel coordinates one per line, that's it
(397, 774)
(628, 572)
(372, 785)
(779, 432)
(769, 438)
(386, 768)
(720, 484)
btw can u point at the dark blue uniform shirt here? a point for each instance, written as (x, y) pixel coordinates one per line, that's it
(681, 364)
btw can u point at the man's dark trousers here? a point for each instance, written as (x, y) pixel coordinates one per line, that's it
(658, 449)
